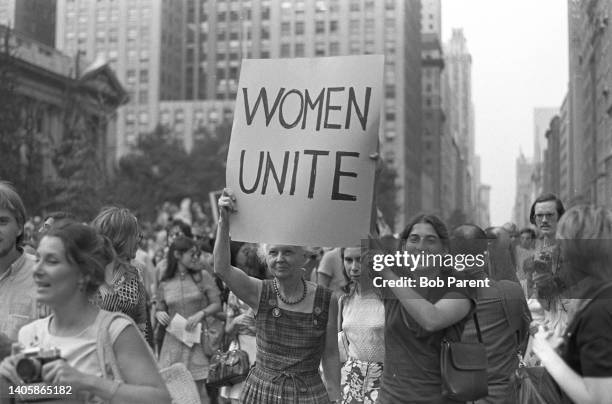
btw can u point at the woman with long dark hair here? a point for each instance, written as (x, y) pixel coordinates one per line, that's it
(416, 319)
(193, 295)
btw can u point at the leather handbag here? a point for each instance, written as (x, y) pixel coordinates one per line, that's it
(463, 368)
(228, 368)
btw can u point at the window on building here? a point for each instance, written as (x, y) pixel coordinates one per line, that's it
(285, 50)
(265, 13)
(320, 27)
(354, 27)
(144, 76)
(390, 4)
(320, 49)
(299, 28)
(285, 28)
(354, 5)
(133, 15)
(333, 26)
(299, 50)
(334, 48)
(390, 91)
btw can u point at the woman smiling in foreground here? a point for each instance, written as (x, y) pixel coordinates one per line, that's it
(69, 269)
(295, 323)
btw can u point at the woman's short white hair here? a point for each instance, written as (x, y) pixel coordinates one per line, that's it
(263, 249)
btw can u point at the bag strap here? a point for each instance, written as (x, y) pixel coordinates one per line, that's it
(478, 334)
(340, 308)
(104, 347)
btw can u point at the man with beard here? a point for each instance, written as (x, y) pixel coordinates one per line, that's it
(17, 287)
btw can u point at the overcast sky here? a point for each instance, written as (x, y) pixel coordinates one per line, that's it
(519, 62)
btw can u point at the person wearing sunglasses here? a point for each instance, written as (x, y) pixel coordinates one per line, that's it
(191, 293)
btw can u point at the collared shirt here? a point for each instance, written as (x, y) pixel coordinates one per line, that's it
(17, 294)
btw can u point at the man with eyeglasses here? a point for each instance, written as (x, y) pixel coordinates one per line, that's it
(544, 285)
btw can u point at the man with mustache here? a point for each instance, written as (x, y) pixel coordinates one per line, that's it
(543, 267)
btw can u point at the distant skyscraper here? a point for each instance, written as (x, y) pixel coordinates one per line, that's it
(459, 66)
(32, 18)
(460, 114)
(435, 153)
(541, 122)
(524, 196)
(143, 40)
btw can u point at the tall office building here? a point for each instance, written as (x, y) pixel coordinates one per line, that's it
(142, 39)
(458, 66)
(523, 197)
(590, 94)
(220, 33)
(33, 19)
(434, 153)
(541, 122)
(566, 151)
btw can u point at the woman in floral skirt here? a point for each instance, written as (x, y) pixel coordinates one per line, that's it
(362, 321)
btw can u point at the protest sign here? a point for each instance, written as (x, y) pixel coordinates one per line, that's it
(299, 157)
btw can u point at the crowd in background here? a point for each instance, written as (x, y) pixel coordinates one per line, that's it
(313, 326)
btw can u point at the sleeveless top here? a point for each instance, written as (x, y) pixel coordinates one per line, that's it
(289, 349)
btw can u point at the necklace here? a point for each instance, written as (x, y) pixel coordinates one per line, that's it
(287, 301)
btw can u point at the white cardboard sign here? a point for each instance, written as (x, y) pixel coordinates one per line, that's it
(299, 157)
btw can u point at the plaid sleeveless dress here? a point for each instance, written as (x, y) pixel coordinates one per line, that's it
(289, 350)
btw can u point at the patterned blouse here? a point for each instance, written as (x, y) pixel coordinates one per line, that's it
(128, 296)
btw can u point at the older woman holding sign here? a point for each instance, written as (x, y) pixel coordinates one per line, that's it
(295, 323)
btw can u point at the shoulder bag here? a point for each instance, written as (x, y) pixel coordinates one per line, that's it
(228, 368)
(463, 367)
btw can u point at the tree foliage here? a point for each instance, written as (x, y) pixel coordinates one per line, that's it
(386, 193)
(20, 138)
(159, 170)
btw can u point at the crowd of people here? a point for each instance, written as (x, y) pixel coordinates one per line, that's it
(314, 326)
